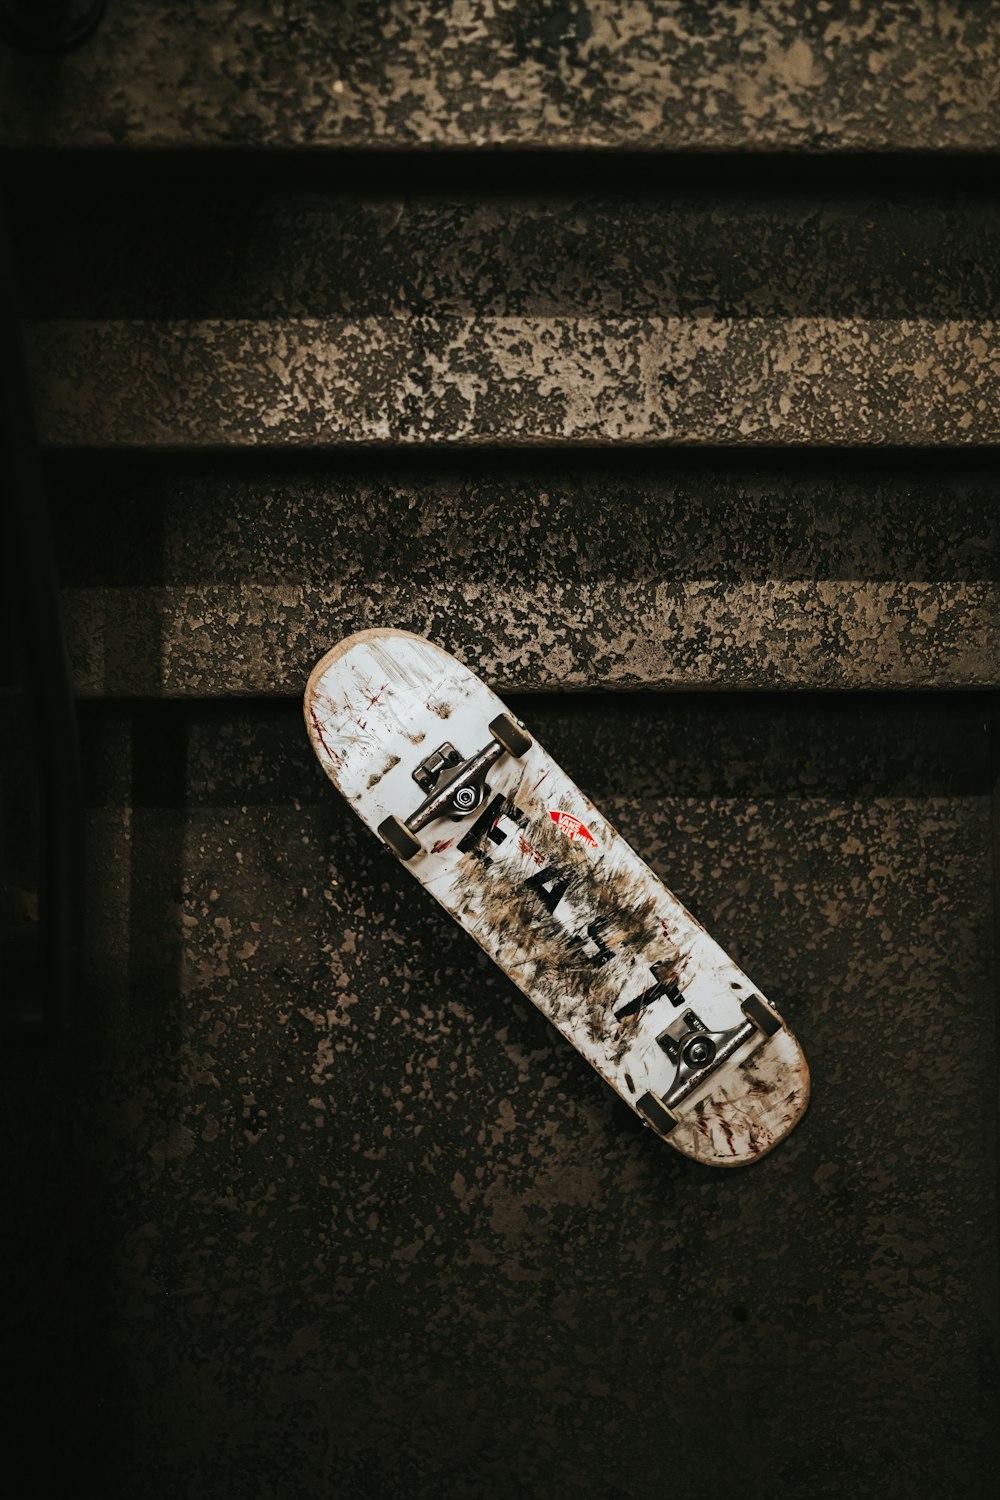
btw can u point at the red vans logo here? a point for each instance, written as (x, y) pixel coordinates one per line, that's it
(573, 828)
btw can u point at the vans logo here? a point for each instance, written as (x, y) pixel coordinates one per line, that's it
(572, 827)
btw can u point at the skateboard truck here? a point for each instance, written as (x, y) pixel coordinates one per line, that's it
(696, 1052)
(455, 788)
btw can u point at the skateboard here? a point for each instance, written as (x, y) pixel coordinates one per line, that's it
(437, 767)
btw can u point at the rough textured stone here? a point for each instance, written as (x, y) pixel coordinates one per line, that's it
(664, 74)
(513, 381)
(143, 250)
(333, 322)
(650, 573)
(347, 1210)
(312, 1202)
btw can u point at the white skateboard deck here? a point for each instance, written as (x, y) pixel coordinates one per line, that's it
(555, 896)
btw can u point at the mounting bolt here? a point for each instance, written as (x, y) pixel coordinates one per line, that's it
(698, 1052)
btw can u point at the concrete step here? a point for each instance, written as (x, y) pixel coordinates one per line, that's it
(516, 381)
(315, 322)
(659, 75)
(621, 572)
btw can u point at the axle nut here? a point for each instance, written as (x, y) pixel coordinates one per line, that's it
(698, 1051)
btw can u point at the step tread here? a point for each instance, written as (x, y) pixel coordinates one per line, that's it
(656, 75)
(838, 575)
(546, 382)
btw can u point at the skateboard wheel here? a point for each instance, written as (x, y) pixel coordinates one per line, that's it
(763, 1017)
(515, 740)
(656, 1114)
(401, 841)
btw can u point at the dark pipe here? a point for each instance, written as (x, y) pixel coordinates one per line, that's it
(49, 25)
(35, 592)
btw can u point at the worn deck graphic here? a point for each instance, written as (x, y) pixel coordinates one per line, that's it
(503, 839)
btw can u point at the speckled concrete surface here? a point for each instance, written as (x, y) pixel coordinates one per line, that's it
(334, 322)
(184, 581)
(312, 1203)
(356, 1220)
(664, 74)
(517, 381)
(729, 249)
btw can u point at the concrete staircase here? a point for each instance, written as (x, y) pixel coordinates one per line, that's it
(647, 356)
